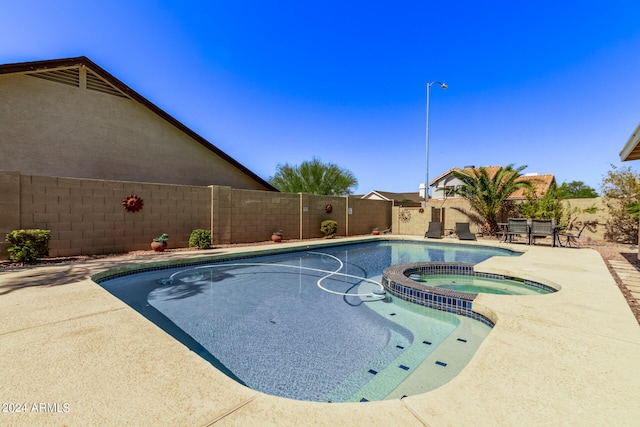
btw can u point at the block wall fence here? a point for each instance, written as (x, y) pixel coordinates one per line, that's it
(86, 216)
(415, 221)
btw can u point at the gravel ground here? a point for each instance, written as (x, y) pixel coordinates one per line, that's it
(608, 251)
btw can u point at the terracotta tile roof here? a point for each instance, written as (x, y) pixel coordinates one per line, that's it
(541, 184)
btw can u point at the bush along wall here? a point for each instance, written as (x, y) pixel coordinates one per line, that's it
(200, 239)
(28, 245)
(329, 228)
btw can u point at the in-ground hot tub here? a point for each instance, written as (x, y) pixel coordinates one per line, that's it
(452, 287)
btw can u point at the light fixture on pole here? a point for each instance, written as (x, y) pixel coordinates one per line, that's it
(426, 183)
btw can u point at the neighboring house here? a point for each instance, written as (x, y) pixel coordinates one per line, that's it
(398, 199)
(445, 184)
(71, 118)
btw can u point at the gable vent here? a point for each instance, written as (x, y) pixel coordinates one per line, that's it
(69, 76)
(94, 82)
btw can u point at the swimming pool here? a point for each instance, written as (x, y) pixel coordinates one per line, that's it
(306, 324)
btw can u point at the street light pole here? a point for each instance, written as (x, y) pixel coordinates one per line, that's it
(426, 183)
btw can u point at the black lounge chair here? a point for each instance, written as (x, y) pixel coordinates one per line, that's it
(463, 232)
(542, 228)
(516, 227)
(434, 231)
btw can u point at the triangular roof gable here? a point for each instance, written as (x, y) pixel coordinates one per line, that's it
(65, 71)
(376, 193)
(389, 196)
(442, 175)
(491, 170)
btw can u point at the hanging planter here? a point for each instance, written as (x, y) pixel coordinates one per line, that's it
(328, 208)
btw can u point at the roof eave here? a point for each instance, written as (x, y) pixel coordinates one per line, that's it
(631, 151)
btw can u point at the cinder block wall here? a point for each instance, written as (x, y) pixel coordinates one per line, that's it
(410, 221)
(369, 214)
(86, 216)
(9, 207)
(255, 215)
(318, 212)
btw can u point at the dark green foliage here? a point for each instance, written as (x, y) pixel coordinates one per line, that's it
(329, 228)
(547, 207)
(162, 239)
(314, 177)
(200, 239)
(634, 210)
(28, 245)
(487, 194)
(576, 190)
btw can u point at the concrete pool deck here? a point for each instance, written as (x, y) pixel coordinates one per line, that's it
(72, 354)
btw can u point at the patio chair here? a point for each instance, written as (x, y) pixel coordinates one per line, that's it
(516, 227)
(463, 232)
(567, 239)
(542, 228)
(434, 231)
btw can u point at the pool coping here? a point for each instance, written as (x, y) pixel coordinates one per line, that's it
(561, 358)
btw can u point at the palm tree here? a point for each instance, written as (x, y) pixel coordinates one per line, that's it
(487, 194)
(314, 177)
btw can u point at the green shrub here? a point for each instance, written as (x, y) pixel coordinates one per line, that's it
(329, 228)
(28, 245)
(200, 239)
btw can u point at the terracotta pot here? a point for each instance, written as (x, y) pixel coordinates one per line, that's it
(158, 246)
(276, 238)
(376, 232)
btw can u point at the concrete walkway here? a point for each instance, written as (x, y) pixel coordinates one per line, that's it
(629, 275)
(72, 354)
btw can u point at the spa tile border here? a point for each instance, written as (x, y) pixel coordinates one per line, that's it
(396, 280)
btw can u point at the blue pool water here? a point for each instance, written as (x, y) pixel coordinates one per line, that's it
(305, 324)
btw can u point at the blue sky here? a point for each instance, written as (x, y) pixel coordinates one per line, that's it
(549, 84)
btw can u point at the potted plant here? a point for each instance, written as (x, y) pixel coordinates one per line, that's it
(159, 244)
(376, 231)
(277, 236)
